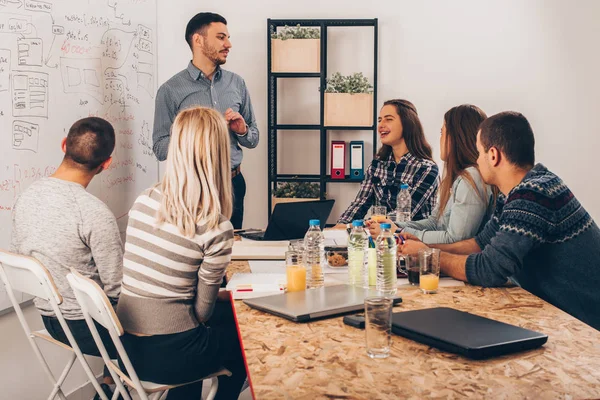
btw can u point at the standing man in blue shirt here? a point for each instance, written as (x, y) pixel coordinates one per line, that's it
(205, 83)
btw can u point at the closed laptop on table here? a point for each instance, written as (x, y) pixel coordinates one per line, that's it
(328, 301)
(467, 334)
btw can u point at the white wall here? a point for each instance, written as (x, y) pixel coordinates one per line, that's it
(538, 57)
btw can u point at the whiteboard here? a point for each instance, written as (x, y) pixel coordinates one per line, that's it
(63, 60)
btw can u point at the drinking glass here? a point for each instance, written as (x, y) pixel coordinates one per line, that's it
(429, 267)
(378, 326)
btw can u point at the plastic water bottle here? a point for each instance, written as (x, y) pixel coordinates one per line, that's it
(386, 261)
(357, 249)
(314, 254)
(403, 204)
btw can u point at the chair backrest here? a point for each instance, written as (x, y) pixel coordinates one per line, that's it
(27, 275)
(92, 299)
(96, 307)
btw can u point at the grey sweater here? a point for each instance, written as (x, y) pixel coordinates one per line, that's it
(63, 226)
(466, 212)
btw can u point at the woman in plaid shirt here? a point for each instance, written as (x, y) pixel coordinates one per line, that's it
(404, 157)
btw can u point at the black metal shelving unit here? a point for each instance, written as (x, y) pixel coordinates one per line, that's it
(273, 127)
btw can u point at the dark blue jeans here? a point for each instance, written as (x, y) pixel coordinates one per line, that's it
(189, 355)
(82, 336)
(238, 184)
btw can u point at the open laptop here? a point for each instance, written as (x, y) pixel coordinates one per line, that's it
(290, 220)
(311, 304)
(466, 334)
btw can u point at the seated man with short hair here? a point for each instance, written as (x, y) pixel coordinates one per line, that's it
(540, 236)
(56, 221)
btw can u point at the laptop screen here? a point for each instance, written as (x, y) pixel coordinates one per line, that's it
(290, 220)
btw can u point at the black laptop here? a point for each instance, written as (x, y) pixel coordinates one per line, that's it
(466, 334)
(290, 220)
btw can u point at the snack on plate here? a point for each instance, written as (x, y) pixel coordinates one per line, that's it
(337, 256)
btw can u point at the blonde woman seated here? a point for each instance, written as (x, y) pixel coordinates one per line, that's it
(178, 246)
(464, 204)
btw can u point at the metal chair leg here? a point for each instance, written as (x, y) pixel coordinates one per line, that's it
(214, 386)
(57, 385)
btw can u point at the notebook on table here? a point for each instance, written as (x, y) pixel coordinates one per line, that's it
(463, 333)
(328, 301)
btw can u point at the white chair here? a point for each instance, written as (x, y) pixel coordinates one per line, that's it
(95, 306)
(27, 275)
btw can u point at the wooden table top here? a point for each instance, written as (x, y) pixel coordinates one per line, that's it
(326, 359)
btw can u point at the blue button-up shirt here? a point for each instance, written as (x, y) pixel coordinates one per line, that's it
(191, 87)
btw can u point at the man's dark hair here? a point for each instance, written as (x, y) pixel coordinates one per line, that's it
(510, 133)
(199, 23)
(90, 142)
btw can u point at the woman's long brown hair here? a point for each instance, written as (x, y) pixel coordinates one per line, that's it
(412, 131)
(462, 123)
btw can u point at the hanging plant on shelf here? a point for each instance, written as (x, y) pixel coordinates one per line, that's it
(355, 83)
(297, 32)
(298, 190)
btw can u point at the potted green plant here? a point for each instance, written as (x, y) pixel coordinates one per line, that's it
(348, 100)
(292, 192)
(296, 49)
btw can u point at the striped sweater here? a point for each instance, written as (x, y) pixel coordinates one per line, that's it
(170, 282)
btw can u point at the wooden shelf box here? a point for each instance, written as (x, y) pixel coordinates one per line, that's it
(296, 55)
(347, 109)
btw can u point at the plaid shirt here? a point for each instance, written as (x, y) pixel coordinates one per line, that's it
(382, 182)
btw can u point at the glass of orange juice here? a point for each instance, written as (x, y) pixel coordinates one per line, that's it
(295, 271)
(429, 270)
(378, 213)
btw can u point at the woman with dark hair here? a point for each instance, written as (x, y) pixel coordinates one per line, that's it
(404, 157)
(464, 203)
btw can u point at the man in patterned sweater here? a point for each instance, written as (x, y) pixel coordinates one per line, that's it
(540, 236)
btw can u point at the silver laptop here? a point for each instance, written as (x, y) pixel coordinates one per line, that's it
(328, 301)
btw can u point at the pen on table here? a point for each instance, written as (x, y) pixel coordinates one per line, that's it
(259, 288)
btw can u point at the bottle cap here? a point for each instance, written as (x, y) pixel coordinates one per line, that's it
(385, 225)
(358, 222)
(404, 186)
(314, 222)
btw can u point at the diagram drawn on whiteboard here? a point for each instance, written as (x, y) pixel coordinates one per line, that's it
(81, 75)
(30, 94)
(25, 136)
(30, 51)
(14, 23)
(4, 70)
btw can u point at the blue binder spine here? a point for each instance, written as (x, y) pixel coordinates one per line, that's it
(357, 157)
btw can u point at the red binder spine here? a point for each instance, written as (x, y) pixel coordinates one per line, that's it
(338, 160)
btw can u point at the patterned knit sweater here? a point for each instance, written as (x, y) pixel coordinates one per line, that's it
(541, 237)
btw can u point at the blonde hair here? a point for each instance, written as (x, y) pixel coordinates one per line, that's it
(196, 186)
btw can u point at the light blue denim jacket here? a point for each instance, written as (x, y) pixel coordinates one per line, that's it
(464, 216)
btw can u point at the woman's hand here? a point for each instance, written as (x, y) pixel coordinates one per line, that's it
(411, 247)
(375, 229)
(410, 236)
